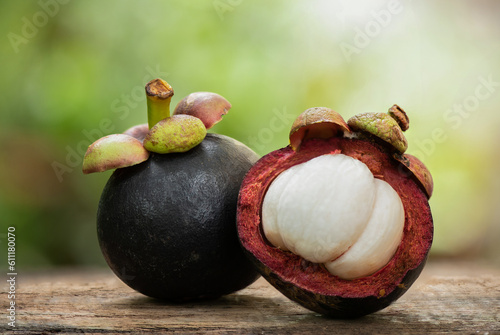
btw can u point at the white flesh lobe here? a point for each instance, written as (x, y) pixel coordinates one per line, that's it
(331, 210)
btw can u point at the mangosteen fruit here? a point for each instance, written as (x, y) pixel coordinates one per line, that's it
(166, 219)
(339, 220)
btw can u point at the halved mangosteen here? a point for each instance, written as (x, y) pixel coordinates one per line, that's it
(339, 220)
(166, 217)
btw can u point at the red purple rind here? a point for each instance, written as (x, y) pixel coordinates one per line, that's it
(311, 285)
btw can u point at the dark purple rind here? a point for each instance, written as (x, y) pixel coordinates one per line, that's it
(334, 306)
(166, 227)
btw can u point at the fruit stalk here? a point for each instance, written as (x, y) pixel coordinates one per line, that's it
(158, 93)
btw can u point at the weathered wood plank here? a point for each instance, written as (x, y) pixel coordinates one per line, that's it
(461, 297)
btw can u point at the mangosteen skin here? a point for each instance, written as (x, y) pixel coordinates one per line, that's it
(334, 306)
(309, 284)
(167, 226)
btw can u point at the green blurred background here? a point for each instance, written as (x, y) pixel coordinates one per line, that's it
(73, 71)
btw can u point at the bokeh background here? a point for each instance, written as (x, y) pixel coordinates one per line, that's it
(73, 71)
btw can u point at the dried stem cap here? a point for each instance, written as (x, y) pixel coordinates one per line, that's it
(398, 114)
(159, 89)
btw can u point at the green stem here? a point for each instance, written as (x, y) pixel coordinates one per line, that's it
(158, 93)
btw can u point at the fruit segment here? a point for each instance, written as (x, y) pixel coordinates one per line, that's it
(332, 210)
(378, 242)
(320, 207)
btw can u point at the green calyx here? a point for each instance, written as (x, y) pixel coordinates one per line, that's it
(382, 126)
(389, 128)
(113, 151)
(162, 134)
(178, 133)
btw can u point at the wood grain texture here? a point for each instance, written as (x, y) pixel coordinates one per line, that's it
(448, 297)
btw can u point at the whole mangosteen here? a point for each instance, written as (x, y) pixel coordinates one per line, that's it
(339, 220)
(166, 219)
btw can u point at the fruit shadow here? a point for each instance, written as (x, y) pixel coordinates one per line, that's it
(241, 301)
(266, 312)
(233, 308)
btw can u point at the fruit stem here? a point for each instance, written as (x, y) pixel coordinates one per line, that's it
(158, 93)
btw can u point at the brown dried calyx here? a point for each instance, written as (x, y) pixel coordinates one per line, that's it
(418, 170)
(317, 122)
(398, 114)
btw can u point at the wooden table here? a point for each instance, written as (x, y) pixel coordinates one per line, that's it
(449, 297)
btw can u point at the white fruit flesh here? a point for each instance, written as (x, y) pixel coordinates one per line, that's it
(332, 210)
